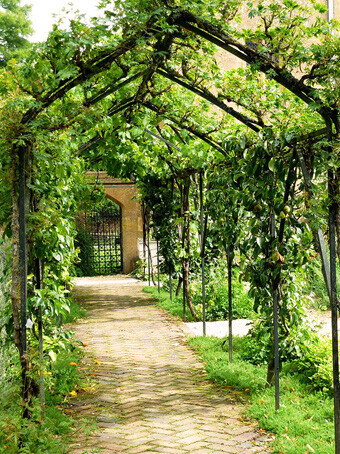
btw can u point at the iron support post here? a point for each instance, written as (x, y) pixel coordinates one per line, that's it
(202, 255)
(276, 329)
(144, 241)
(230, 304)
(170, 282)
(184, 315)
(334, 308)
(22, 250)
(148, 240)
(41, 343)
(158, 282)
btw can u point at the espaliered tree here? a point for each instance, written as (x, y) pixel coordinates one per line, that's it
(101, 86)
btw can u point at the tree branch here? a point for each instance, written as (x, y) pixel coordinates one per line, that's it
(212, 99)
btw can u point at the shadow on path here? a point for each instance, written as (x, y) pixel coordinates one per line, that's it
(153, 395)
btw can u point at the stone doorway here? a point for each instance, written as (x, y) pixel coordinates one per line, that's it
(124, 194)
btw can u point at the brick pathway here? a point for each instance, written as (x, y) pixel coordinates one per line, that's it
(153, 396)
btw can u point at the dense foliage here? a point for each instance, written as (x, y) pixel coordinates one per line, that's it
(15, 27)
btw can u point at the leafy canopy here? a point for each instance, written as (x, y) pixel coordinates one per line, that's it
(15, 26)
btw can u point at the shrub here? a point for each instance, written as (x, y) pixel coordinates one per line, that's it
(314, 365)
(306, 355)
(217, 306)
(37, 436)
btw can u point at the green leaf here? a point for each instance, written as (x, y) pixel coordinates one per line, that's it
(271, 165)
(52, 355)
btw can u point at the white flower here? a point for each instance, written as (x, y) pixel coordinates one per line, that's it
(29, 323)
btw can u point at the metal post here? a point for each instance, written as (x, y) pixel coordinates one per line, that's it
(158, 282)
(170, 268)
(41, 344)
(170, 282)
(144, 241)
(121, 239)
(276, 329)
(148, 240)
(184, 316)
(334, 307)
(202, 255)
(22, 251)
(230, 307)
(203, 298)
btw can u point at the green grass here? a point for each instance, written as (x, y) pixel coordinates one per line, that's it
(216, 302)
(304, 424)
(76, 312)
(163, 301)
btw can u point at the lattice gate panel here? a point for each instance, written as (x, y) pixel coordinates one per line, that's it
(100, 241)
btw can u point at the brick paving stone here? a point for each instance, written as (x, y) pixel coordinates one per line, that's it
(245, 436)
(197, 445)
(152, 395)
(170, 450)
(203, 451)
(138, 449)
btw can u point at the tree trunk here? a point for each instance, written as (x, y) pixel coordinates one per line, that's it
(15, 287)
(20, 202)
(337, 198)
(179, 285)
(151, 265)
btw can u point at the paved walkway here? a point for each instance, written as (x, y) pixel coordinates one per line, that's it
(153, 396)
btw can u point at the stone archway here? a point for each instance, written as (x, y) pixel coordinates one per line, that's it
(124, 193)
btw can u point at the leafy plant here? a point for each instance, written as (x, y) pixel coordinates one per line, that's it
(304, 422)
(217, 305)
(314, 284)
(314, 365)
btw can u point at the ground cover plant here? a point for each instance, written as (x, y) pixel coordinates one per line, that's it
(305, 421)
(51, 426)
(216, 291)
(216, 296)
(163, 301)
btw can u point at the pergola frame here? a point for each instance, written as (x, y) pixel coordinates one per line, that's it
(184, 20)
